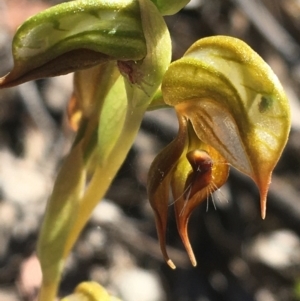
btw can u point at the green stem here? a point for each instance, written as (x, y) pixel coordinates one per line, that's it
(105, 174)
(100, 182)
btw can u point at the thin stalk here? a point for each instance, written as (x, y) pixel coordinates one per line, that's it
(105, 174)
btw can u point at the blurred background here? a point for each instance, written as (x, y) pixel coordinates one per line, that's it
(240, 257)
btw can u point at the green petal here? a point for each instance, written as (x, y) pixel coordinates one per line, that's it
(76, 35)
(235, 103)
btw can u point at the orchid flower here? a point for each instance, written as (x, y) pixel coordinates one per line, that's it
(119, 50)
(232, 110)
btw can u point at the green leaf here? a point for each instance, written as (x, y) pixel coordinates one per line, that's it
(62, 209)
(235, 103)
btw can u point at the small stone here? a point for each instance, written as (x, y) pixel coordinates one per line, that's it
(106, 212)
(135, 284)
(279, 249)
(8, 294)
(7, 215)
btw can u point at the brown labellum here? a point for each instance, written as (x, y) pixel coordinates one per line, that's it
(201, 176)
(204, 178)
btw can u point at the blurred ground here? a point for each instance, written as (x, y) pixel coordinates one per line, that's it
(240, 257)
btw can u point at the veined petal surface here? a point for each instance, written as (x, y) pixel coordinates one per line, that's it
(223, 79)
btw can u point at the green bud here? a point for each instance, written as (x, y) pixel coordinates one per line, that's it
(76, 35)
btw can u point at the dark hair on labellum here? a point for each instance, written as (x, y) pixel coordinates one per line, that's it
(201, 176)
(200, 184)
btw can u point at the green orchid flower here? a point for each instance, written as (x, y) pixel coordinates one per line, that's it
(119, 50)
(236, 109)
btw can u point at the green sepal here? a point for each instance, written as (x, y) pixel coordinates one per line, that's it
(76, 35)
(143, 78)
